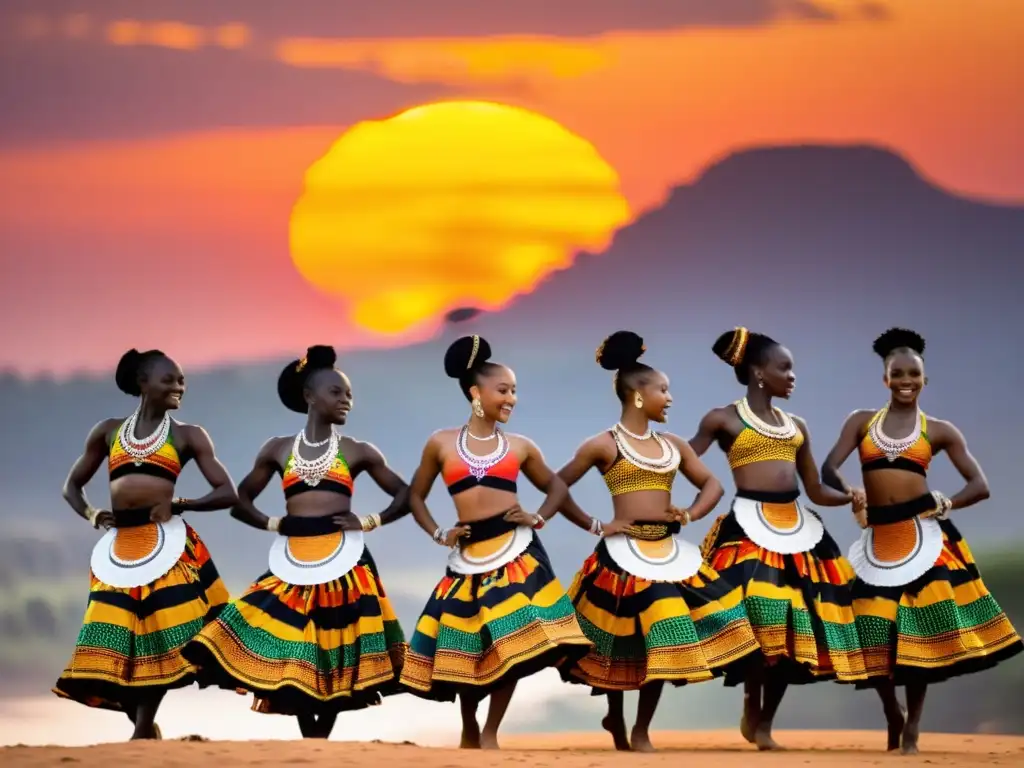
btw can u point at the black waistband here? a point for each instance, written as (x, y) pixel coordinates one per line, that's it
(652, 530)
(769, 497)
(497, 483)
(134, 518)
(898, 463)
(146, 468)
(490, 528)
(293, 525)
(905, 510)
(323, 485)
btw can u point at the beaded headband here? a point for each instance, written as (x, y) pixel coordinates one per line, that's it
(472, 355)
(737, 347)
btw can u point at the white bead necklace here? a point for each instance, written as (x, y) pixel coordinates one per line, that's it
(478, 465)
(669, 461)
(147, 446)
(308, 444)
(312, 471)
(786, 431)
(645, 436)
(891, 447)
(482, 439)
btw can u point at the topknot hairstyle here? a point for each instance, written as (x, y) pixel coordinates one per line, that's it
(132, 369)
(467, 359)
(291, 384)
(898, 338)
(621, 352)
(743, 350)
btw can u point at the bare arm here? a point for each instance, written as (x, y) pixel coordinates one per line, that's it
(588, 455)
(423, 481)
(86, 465)
(849, 437)
(254, 483)
(223, 494)
(708, 429)
(693, 469)
(388, 481)
(952, 441)
(544, 479)
(819, 494)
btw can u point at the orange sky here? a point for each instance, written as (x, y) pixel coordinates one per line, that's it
(934, 81)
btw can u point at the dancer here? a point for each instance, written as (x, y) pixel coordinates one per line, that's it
(152, 583)
(653, 609)
(922, 609)
(796, 582)
(316, 635)
(499, 614)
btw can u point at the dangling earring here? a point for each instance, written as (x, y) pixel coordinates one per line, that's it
(760, 383)
(637, 400)
(478, 409)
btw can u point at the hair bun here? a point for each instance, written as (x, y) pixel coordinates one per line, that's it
(731, 346)
(320, 356)
(465, 354)
(898, 338)
(292, 381)
(621, 349)
(126, 376)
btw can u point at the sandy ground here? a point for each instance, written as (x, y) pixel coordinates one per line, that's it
(724, 749)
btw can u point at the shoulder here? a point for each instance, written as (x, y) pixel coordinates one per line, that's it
(859, 419)
(719, 417)
(104, 430)
(190, 431)
(515, 439)
(941, 429)
(275, 445)
(677, 441)
(361, 450)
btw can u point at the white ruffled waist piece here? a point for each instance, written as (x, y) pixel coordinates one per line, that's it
(786, 528)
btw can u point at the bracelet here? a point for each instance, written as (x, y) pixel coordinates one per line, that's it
(369, 522)
(943, 506)
(596, 528)
(92, 515)
(440, 535)
(540, 523)
(179, 501)
(273, 524)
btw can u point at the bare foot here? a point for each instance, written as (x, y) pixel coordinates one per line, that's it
(910, 734)
(640, 741)
(748, 726)
(489, 740)
(470, 736)
(617, 728)
(147, 734)
(895, 721)
(763, 738)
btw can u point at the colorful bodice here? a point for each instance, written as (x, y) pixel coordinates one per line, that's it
(163, 463)
(500, 476)
(337, 480)
(751, 447)
(913, 458)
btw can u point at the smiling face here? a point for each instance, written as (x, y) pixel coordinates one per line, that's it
(162, 383)
(496, 390)
(329, 394)
(656, 396)
(904, 376)
(777, 372)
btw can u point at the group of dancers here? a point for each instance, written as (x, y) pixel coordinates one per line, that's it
(767, 601)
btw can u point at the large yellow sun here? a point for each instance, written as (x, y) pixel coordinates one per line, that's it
(460, 203)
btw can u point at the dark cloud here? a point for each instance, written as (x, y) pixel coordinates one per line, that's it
(77, 91)
(416, 18)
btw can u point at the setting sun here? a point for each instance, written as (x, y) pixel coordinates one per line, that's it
(447, 205)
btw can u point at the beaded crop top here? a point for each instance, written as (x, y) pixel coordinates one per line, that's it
(631, 471)
(501, 476)
(164, 462)
(912, 453)
(759, 441)
(337, 480)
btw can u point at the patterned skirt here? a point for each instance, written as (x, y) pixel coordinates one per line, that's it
(940, 624)
(799, 604)
(480, 631)
(131, 639)
(645, 630)
(301, 649)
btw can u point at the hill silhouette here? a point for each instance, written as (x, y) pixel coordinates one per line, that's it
(820, 247)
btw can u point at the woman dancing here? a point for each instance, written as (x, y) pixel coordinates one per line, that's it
(315, 635)
(499, 614)
(796, 582)
(152, 584)
(652, 608)
(922, 610)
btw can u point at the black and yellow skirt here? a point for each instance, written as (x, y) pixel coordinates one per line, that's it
(800, 603)
(683, 627)
(505, 621)
(132, 636)
(923, 612)
(309, 648)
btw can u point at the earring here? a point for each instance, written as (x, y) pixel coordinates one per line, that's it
(478, 409)
(637, 400)
(760, 383)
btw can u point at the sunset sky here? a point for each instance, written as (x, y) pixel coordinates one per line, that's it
(153, 151)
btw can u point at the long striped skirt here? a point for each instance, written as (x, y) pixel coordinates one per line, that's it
(644, 631)
(131, 638)
(800, 605)
(480, 632)
(303, 649)
(942, 623)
